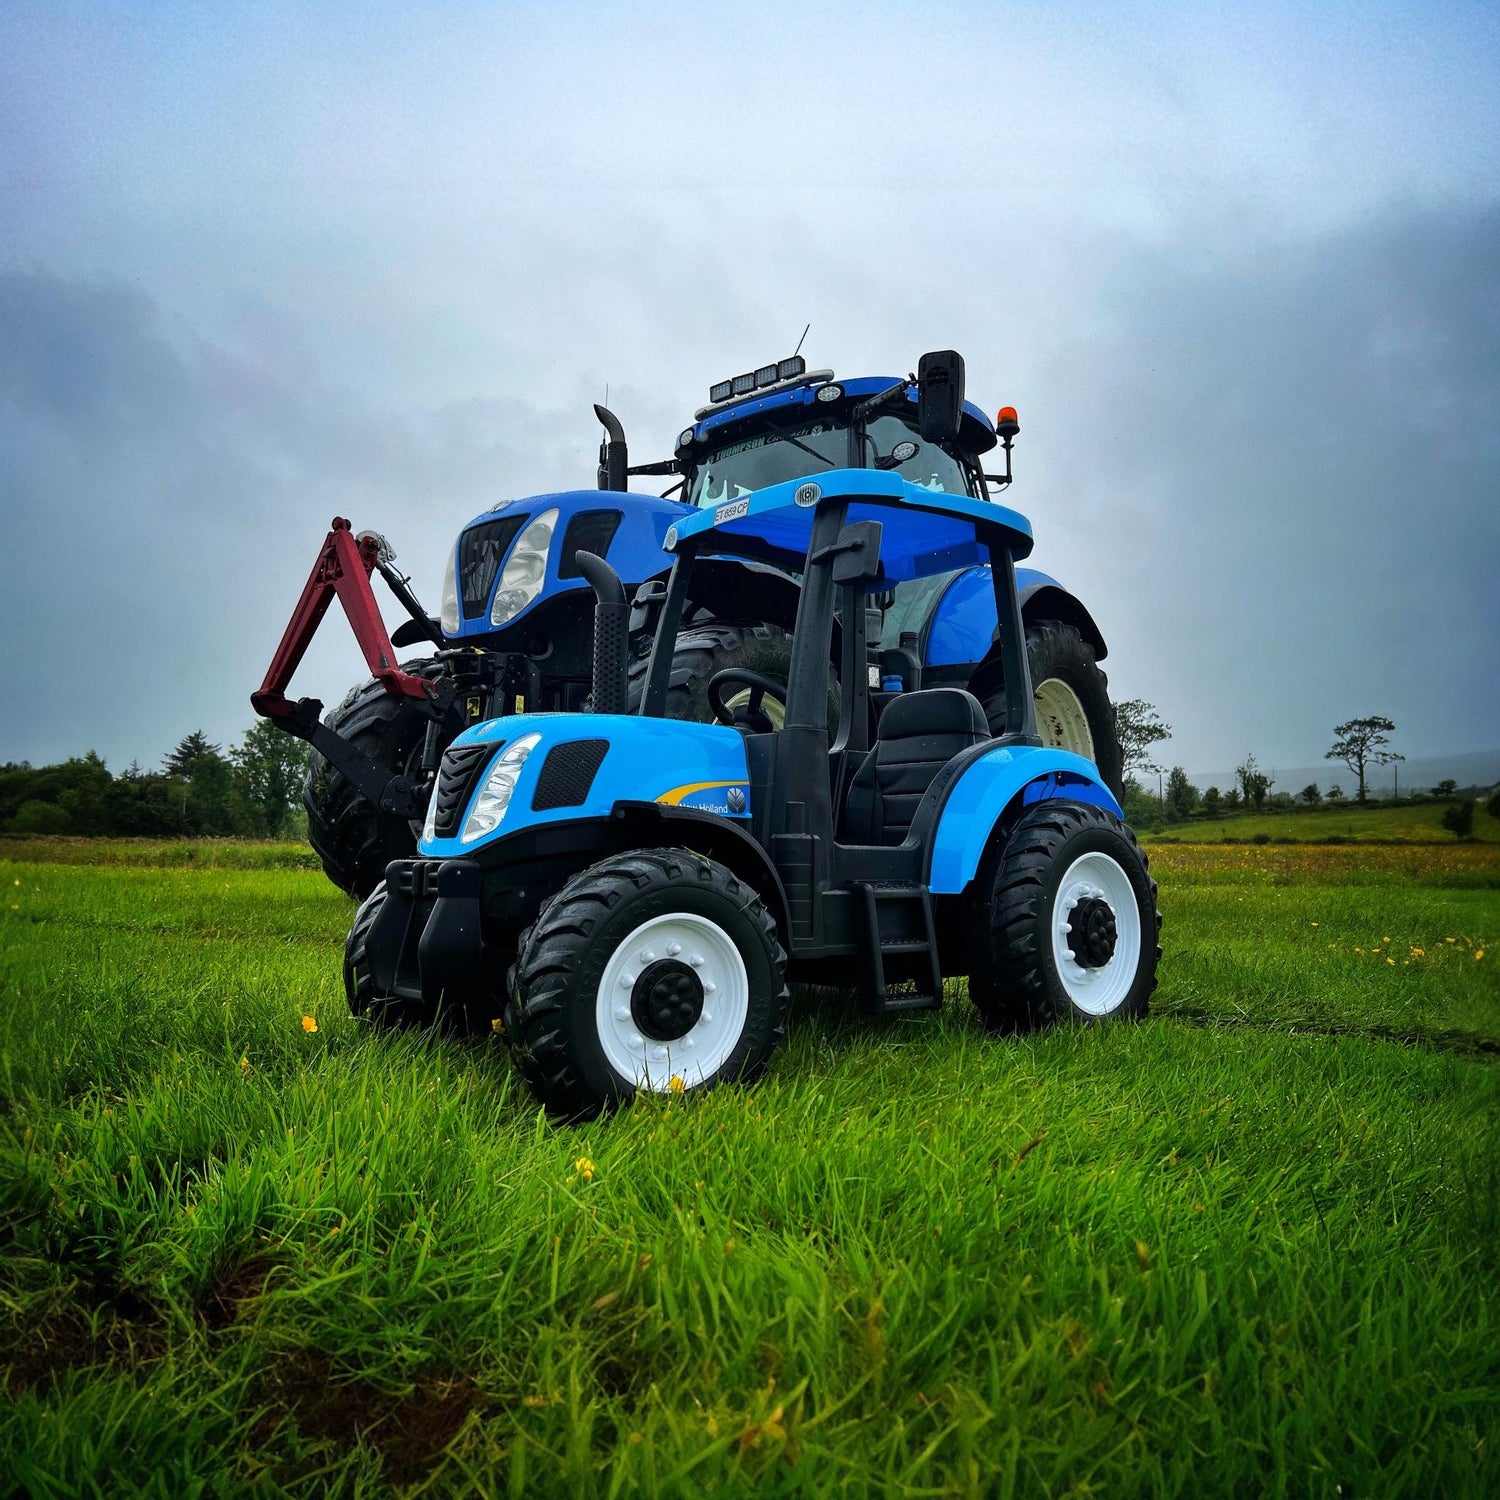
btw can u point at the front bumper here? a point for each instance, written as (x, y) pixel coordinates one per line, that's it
(427, 941)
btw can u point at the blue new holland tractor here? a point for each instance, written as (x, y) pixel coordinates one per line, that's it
(513, 631)
(626, 894)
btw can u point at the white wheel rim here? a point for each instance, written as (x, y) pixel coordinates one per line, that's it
(773, 708)
(1060, 719)
(694, 1058)
(1101, 991)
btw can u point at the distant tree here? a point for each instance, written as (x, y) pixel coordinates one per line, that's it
(1361, 743)
(1310, 794)
(1492, 807)
(1445, 788)
(269, 769)
(1213, 803)
(189, 748)
(1459, 818)
(1182, 795)
(1335, 793)
(1142, 810)
(1138, 727)
(1232, 800)
(1254, 783)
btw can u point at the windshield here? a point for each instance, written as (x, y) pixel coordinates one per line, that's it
(800, 450)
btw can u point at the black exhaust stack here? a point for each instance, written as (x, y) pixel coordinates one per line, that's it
(614, 461)
(611, 629)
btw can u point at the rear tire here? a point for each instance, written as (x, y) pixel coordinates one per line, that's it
(352, 837)
(656, 971)
(1069, 930)
(1073, 710)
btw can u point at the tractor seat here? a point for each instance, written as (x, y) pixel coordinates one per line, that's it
(919, 734)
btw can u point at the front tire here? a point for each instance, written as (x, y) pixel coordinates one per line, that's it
(1070, 927)
(655, 971)
(353, 838)
(386, 1012)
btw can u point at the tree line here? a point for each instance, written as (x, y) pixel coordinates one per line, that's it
(252, 790)
(1360, 744)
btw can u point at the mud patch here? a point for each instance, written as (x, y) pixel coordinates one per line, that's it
(87, 1326)
(409, 1431)
(232, 1290)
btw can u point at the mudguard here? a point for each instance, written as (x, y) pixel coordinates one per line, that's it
(961, 625)
(1009, 776)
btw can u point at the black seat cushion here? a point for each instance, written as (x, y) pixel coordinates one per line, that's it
(919, 733)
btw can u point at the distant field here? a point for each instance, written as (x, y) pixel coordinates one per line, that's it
(1422, 823)
(1249, 1247)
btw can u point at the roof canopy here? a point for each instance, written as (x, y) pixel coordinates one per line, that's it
(923, 531)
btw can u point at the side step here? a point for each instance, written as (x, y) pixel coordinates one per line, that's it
(899, 927)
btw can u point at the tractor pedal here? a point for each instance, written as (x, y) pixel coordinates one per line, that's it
(899, 925)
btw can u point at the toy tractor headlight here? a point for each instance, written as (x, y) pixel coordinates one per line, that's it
(494, 796)
(449, 617)
(525, 571)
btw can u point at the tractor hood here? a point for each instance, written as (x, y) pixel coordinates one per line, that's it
(510, 774)
(520, 553)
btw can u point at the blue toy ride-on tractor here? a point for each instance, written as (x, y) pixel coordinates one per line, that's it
(513, 631)
(631, 892)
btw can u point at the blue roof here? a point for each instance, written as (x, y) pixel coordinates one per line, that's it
(923, 531)
(976, 436)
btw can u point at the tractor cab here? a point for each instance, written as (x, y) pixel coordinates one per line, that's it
(634, 890)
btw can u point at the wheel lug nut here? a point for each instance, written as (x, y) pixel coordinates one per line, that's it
(636, 1041)
(709, 986)
(646, 956)
(696, 960)
(627, 981)
(622, 1012)
(673, 949)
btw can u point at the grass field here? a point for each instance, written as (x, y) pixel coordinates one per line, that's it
(1420, 823)
(1249, 1247)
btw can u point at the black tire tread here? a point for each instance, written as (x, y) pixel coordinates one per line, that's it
(354, 840)
(548, 956)
(1009, 988)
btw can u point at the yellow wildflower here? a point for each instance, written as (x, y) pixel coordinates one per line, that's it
(1391, 961)
(676, 1083)
(1479, 953)
(585, 1168)
(308, 1024)
(245, 1065)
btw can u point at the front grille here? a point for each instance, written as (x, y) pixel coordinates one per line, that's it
(480, 551)
(568, 773)
(588, 531)
(456, 777)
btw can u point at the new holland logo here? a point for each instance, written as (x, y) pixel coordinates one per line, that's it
(736, 800)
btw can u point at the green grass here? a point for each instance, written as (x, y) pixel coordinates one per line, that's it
(1420, 823)
(1248, 1247)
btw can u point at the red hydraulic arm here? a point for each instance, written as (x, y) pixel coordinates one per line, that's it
(343, 567)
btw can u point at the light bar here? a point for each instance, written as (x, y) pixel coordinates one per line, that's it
(766, 375)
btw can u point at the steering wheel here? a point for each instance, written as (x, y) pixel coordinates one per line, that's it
(750, 717)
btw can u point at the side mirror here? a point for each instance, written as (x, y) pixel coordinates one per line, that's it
(940, 395)
(857, 553)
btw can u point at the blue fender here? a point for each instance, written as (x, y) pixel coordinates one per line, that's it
(1011, 774)
(671, 761)
(962, 624)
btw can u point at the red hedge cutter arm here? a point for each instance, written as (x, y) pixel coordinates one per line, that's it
(343, 568)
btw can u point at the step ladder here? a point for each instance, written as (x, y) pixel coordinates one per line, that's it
(902, 945)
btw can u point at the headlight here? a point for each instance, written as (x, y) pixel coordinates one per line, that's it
(450, 598)
(526, 570)
(494, 796)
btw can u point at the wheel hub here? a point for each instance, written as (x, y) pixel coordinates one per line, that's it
(1092, 933)
(666, 1000)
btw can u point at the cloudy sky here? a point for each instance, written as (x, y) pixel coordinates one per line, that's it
(1237, 266)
